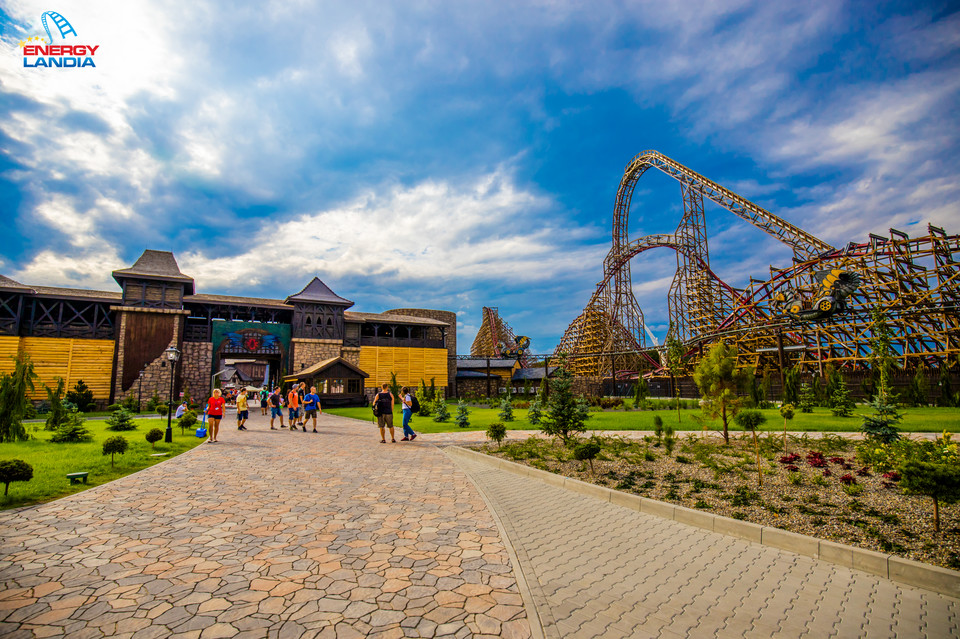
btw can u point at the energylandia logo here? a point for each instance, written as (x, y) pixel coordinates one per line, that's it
(46, 54)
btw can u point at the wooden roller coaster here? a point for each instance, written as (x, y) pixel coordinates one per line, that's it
(813, 312)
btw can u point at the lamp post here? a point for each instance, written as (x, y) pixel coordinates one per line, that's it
(173, 354)
(140, 391)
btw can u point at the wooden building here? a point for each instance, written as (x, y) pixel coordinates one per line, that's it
(115, 340)
(338, 382)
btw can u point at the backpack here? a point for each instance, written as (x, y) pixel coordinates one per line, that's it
(414, 404)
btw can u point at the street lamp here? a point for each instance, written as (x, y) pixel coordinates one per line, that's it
(173, 354)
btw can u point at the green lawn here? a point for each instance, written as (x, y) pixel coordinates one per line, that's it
(51, 462)
(821, 419)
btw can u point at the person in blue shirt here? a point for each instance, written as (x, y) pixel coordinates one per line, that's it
(311, 406)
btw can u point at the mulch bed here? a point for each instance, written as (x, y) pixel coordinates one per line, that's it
(705, 475)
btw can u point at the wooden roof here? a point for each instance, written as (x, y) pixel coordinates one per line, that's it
(319, 367)
(156, 265)
(203, 298)
(317, 291)
(390, 318)
(8, 284)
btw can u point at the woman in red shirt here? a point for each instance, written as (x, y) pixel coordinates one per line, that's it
(214, 414)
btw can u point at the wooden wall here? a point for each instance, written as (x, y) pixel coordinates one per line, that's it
(146, 336)
(410, 364)
(72, 359)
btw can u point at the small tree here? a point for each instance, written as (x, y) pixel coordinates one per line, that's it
(162, 410)
(840, 403)
(675, 365)
(394, 385)
(73, 430)
(12, 470)
(155, 400)
(114, 445)
(641, 392)
(153, 436)
(433, 389)
(440, 411)
(187, 420)
(940, 482)
(82, 397)
(947, 396)
(881, 426)
(497, 431)
(544, 391)
(751, 420)
(423, 396)
(506, 409)
(791, 385)
(57, 416)
(14, 401)
(658, 427)
(787, 412)
(121, 420)
(716, 377)
(808, 398)
(920, 388)
(463, 415)
(535, 413)
(587, 451)
(565, 414)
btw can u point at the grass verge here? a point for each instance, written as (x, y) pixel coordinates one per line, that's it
(51, 462)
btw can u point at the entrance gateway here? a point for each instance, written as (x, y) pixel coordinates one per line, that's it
(114, 340)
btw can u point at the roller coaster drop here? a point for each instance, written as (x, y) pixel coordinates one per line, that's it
(814, 312)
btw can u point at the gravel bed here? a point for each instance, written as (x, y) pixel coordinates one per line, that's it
(880, 517)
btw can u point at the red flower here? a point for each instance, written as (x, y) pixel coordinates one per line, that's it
(848, 479)
(892, 475)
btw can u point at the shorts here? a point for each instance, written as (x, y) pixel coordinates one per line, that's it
(242, 415)
(311, 412)
(293, 413)
(300, 411)
(276, 412)
(216, 417)
(385, 420)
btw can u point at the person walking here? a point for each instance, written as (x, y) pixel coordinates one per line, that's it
(275, 402)
(293, 405)
(384, 400)
(407, 400)
(243, 413)
(263, 401)
(311, 406)
(301, 411)
(214, 414)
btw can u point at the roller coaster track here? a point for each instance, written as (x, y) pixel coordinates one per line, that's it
(915, 282)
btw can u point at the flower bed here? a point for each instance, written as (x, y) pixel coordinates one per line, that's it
(818, 487)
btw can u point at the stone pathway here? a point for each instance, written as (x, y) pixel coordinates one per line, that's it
(598, 570)
(266, 534)
(289, 534)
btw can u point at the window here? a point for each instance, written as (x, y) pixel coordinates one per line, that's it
(353, 386)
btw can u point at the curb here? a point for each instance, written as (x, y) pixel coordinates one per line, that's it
(905, 571)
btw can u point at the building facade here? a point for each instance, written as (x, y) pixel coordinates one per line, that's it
(115, 340)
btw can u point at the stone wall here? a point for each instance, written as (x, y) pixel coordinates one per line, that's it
(196, 366)
(443, 316)
(307, 352)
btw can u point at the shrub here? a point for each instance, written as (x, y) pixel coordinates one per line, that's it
(12, 470)
(463, 415)
(497, 431)
(565, 414)
(14, 405)
(73, 430)
(114, 445)
(121, 420)
(587, 451)
(816, 459)
(82, 397)
(188, 420)
(940, 482)
(153, 436)
(440, 410)
(658, 427)
(162, 410)
(57, 415)
(852, 489)
(536, 411)
(796, 479)
(506, 410)
(848, 480)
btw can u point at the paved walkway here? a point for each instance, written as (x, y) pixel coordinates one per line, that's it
(598, 570)
(280, 534)
(266, 534)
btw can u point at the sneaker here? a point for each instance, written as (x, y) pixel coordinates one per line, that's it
(315, 430)
(413, 437)
(405, 439)
(273, 428)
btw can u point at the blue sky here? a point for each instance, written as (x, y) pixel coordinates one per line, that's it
(456, 155)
